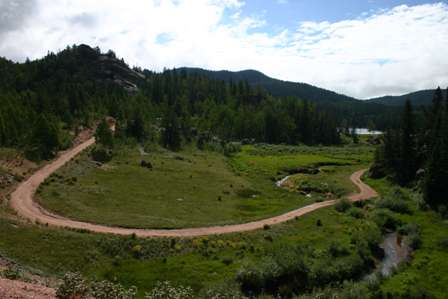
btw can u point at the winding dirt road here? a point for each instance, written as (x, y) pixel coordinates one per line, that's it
(22, 202)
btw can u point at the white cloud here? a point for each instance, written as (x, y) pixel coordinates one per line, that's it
(390, 52)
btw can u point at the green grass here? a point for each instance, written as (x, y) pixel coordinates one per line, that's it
(198, 262)
(198, 189)
(203, 262)
(428, 269)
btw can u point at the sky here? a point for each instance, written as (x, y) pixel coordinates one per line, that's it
(361, 48)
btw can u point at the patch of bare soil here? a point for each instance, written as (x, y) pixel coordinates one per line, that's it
(14, 289)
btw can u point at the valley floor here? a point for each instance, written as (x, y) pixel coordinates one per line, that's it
(330, 243)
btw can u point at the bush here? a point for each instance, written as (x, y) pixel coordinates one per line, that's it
(101, 154)
(73, 286)
(385, 219)
(444, 244)
(356, 213)
(413, 232)
(338, 250)
(342, 205)
(231, 148)
(251, 279)
(108, 290)
(12, 273)
(165, 290)
(282, 273)
(394, 204)
(225, 291)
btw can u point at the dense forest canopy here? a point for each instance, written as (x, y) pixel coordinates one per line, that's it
(80, 84)
(417, 152)
(349, 110)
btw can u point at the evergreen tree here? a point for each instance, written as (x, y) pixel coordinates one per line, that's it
(306, 123)
(104, 135)
(408, 154)
(171, 137)
(44, 139)
(435, 185)
(136, 128)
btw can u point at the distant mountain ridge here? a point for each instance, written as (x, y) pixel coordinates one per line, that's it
(418, 98)
(309, 92)
(276, 87)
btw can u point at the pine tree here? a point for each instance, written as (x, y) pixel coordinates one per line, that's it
(104, 135)
(136, 128)
(44, 139)
(407, 159)
(306, 123)
(171, 137)
(435, 187)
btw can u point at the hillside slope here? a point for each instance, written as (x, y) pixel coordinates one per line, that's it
(418, 98)
(277, 87)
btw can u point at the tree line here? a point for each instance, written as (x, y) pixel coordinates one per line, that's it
(417, 152)
(43, 100)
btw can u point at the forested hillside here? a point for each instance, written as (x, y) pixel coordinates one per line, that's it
(42, 100)
(356, 113)
(416, 154)
(418, 98)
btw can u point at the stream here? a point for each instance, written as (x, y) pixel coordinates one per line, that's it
(395, 250)
(282, 181)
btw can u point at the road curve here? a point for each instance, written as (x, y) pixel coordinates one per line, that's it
(22, 202)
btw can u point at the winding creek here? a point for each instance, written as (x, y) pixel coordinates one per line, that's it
(395, 252)
(395, 249)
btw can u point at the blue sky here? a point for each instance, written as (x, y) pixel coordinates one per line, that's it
(360, 48)
(288, 13)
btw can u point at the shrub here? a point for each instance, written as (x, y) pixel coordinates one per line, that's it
(227, 261)
(413, 232)
(231, 148)
(394, 204)
(356, 213)
(165, 290)
(337, 250)
(385, 219)
(12, 273)
(343, 205)
(251, 279)
(136, 251)
(101, 154)
(444, 243)
(146, 164)
(108, 290)
(225, 291)
(73, 286)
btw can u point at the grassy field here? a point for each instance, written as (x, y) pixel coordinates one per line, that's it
(331, 241)
(427, 272)
(193, 188)
(199, 262)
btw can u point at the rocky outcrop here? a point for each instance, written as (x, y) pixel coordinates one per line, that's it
(108, 67)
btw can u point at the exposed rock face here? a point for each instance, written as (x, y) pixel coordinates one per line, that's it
(108, 67)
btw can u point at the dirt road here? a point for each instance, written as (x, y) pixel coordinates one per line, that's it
(22, 202)
(14, 289)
